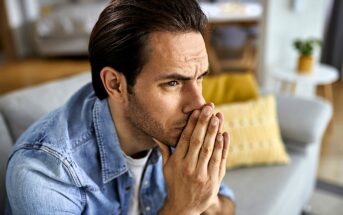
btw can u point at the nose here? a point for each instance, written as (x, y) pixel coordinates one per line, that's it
(193, 98)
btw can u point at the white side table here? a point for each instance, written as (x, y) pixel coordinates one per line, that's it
(289, 79)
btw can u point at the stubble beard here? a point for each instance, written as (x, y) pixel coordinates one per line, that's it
(146, 125)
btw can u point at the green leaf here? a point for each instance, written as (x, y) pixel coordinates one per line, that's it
(306, 46)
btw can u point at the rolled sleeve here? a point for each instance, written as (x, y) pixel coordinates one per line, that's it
(227, 192)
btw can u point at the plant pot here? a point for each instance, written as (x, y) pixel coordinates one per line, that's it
(305, 64)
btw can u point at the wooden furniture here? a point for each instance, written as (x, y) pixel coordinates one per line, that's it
(6, 34)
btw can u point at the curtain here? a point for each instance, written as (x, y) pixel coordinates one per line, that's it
(332, 53)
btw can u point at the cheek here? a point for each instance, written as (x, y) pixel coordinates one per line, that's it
(164, 108)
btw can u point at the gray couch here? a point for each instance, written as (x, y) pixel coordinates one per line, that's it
(262, 190)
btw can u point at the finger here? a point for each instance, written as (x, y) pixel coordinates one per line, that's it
(211, 105)
(221, 119)
(207, 147)
(214, 163)
(197, 137)
(164, 151)
(183, 144)
(226, 148)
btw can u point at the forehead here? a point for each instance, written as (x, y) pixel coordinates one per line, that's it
(176, 51)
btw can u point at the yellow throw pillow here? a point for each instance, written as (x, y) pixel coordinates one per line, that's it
(254, 133)
(229, 87)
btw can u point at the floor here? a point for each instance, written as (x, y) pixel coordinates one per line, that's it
(325, 203)
(16, 75)
(331, 162)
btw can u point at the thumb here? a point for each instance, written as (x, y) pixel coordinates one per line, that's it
(164, 150)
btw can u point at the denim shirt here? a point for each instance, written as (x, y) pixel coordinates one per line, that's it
(70, 162)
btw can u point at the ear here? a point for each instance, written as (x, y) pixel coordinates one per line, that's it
(114, 83)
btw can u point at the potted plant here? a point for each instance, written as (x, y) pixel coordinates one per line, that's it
(305, 49)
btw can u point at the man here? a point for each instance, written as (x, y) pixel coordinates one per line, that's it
(100, 152)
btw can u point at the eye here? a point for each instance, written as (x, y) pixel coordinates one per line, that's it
(172, 83)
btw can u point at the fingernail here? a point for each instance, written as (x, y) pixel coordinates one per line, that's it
(220, 116)
(219, 137)
(207, 110)
(214, 121)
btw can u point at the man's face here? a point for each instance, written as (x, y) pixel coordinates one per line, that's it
(169, 87)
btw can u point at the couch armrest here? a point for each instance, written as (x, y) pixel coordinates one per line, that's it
(5, 149)
(23, 107)
(302, 119)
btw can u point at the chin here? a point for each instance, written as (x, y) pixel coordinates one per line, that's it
(170, 141)
(170, 137)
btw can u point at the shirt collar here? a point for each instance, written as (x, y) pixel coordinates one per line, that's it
(113, 163)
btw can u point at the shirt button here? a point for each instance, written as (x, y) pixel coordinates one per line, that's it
(147, 208)
(146, 183)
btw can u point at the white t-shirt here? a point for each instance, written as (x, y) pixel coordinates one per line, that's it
(136, 168)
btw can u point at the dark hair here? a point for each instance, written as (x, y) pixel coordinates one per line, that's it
(120, 37)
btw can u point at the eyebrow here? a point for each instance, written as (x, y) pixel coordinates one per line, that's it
(180, 77)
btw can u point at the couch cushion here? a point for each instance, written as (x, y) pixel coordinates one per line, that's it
(5, 147)
(254, 133)
(229, 87)
(270, 190)
(23, 107)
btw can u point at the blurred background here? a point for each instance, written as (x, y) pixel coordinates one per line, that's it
(246, 35)
(42, 40)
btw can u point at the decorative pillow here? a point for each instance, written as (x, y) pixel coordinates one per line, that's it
(229, 87)
(254, 133)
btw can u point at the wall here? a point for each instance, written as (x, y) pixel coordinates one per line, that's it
(282, 22)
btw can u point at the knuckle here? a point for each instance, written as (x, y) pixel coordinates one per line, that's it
(215, 161)
(196, 141)
(200, 179)
(187, 171)
(218, 145)
(212, 129)
(185, 137)
(206, 150)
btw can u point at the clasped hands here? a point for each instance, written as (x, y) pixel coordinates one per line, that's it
(193, 173)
